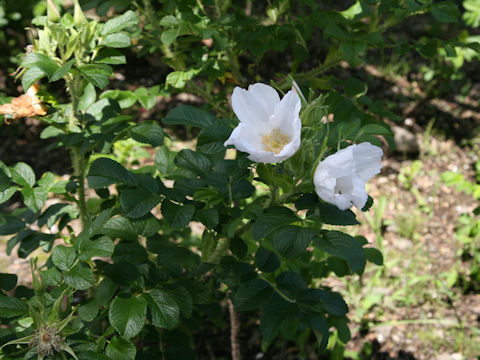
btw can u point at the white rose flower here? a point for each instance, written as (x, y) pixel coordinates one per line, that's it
(340, 179)
(269, 128)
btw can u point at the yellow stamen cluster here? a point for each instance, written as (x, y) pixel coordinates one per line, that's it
(275, 141)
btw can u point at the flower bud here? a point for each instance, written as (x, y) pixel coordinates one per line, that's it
(78, 15)
(37, 281)
(62, 305)
(52, 13)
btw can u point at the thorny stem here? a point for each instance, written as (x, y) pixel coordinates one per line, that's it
(236, 354)
(79, 162)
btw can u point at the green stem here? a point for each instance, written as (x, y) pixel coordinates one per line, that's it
(220, 250)
(79, 170)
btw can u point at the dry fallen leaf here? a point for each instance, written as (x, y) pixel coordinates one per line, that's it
(24, 105)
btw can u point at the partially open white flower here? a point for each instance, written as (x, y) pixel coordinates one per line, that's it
(269, 128)
(340, 179)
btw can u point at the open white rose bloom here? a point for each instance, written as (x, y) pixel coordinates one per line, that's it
(340, 179)
(269, 129)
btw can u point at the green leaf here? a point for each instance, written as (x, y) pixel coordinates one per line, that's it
(11, 307)
(177, 216)
(272, 219)
(445, 11)
(127, 19)
(64, 257)
(332, 215)
(52, 276)
(105, 171)
(148, 133)
(374, 256)
(179, 79)
(127, 315)
(120, 349)
(88, 97)
(42, 62)
(138, 202)
(291, 241)
(110, 56)
(320, 328)
(105, 291)
(317, 299)
(182, 297)
(251, 295)
(96, 74)
(4, 181)
(344, 246)
(375, 129)
(34, 198)
(165, 160)
(198, 163)
(62, 71)
(267, 261)
(272, 316)
(354, 87)
(23, 174)
(147, 98)
(208, 217)
(189, 115)
(8, 281)
(102, 247)
(169, 36)
(7, 194)
(353, 50)
(31, 76)
(88, 311)
(79, 277)
(116, 40)
(163, 307)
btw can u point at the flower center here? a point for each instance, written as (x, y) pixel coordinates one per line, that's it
(275, 141)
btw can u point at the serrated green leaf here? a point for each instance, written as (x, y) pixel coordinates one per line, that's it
(96, 74)
(30, 77)
(111, 57)
(88, 311)
(23, 174)
(332, 215)
(102, 247)
(267, 261)
(251, 295)
(163, 307)
(127, 315)
(62, 71)
(291, 241)
(64, 257)
(165, 160)
(34, 198)
(79, 277)
(42, 62)
(189, 115)
(272, 219)
(4, 181)
(328, 301)
(11, 307)
(272, 316)
(208, 217)
(148, 133)
(51, 276)
(344, 246)
(177, 216)
(127, 19)
(198, 163)
(354, 87)
(182, 297)
(138, 202)
(116, 40)
(7, 194)
(105, 171)
(353, 51)
(446, 11)
(88, 97)
(120, 349)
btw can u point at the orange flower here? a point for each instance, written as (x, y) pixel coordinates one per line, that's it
(24, 105)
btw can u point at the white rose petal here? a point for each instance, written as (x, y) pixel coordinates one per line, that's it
(269, 129)
(340, 179)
